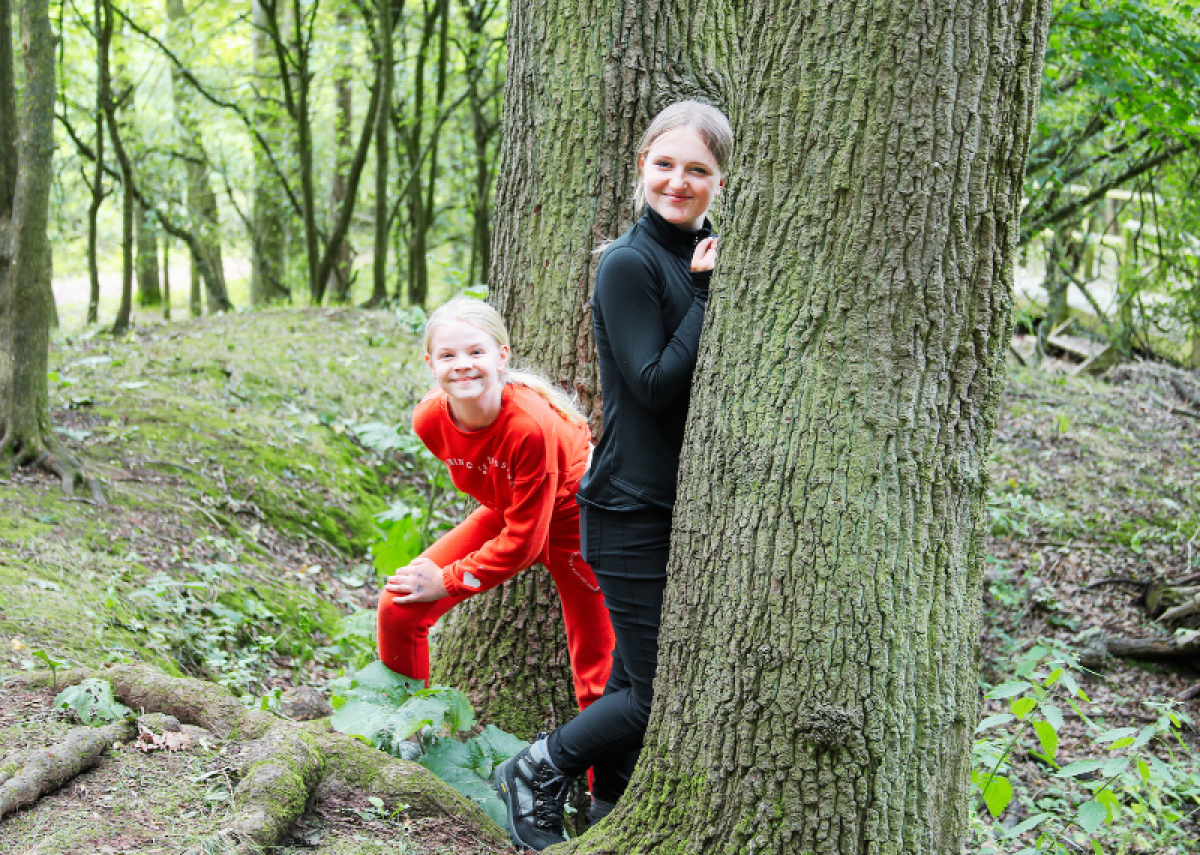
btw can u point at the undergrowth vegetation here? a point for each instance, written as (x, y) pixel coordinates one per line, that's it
(262, 477)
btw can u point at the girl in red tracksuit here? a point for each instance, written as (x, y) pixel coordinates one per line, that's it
(519, 447)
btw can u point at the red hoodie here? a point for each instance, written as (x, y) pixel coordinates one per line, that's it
(524, 466)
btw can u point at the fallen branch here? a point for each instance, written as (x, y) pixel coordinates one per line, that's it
(1182, 648)
(46, 771)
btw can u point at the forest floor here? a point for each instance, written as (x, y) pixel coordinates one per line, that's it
(234, 548)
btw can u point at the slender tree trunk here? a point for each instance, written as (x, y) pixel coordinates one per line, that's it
(117, 131)
(386, 35)
(413, 135)
(339, 280)
(26, 299)
(269, 214)
(166, 277)
(540, 281)
(149, 289)
(201, 200)
(103, 36)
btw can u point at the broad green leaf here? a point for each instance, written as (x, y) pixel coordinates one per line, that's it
(1115, 766)
(1091, 816)
(1053, 716)
(92, 702)
(1144, 736)
(1028, 825)
(414, 714)
(1115, 734)
(1048, 737)
(1010, 689)
(1079, 767)
(1022, 707)
(501, 744)
(360, 718)
(1111, 804)
(460, 714)
(1143, 770)
(993, 720)
(997, 793)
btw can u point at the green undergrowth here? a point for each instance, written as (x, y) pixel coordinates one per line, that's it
(241, 502)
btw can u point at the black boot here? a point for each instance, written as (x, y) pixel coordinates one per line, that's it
(534, 791)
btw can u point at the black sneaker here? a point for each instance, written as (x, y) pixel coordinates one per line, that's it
(534, 792)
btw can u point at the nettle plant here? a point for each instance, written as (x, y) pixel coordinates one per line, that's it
(429, 725)
(1127, 800)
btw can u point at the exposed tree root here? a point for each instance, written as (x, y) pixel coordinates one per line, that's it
(51, 455)
(284, 766)
(45, 771)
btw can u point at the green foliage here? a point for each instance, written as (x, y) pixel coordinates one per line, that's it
(1126, 797)
(92, 702)
(215, 628)
(402, 717)
(428, 503)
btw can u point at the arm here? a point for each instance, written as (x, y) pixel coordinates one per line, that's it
(656, 366)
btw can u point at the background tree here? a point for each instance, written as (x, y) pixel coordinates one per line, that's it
(26, 303)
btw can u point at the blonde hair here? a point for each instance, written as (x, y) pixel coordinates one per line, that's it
(709, 123)
(479, 314)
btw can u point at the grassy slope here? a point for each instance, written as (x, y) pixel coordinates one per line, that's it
(228, 465)
(224, 447)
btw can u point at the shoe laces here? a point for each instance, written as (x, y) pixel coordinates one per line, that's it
(548, 800)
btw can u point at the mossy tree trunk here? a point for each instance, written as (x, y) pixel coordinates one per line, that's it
(817, 685)
(26, 301)
(565, 185)
(201, 200)
(268, 281)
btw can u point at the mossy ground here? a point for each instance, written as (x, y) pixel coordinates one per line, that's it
(233, 547)
(241, 507)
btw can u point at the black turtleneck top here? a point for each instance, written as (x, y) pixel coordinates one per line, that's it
(647, 310)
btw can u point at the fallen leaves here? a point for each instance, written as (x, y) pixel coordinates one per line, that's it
(148, 740)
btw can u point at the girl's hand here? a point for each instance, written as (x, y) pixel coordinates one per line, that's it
(705, 256)
(419, 582)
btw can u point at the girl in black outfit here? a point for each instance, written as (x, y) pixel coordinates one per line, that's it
(648, 310)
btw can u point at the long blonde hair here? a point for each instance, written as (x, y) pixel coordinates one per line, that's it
(479, 314)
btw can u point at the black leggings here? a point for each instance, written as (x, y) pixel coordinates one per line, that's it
(628, 552)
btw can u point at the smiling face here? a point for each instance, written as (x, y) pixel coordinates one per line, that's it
(680, 177)
(468, 364)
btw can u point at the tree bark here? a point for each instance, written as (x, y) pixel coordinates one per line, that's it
(540, 281)
(385, 36)
(201, 200)
(269, 213)
(817, 682)
(149, 287)
(339, 280)
(26, 301)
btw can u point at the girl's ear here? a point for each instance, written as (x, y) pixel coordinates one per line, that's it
(504, 353)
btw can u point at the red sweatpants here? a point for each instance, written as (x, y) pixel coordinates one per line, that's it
(404, 629)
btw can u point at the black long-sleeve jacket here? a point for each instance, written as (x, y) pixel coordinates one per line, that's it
(647, 310)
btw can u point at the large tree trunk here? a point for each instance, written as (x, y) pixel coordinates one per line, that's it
(26, 301)
(540, 281)
(818, 667)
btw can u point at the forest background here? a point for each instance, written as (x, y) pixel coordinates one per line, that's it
(218, 157)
